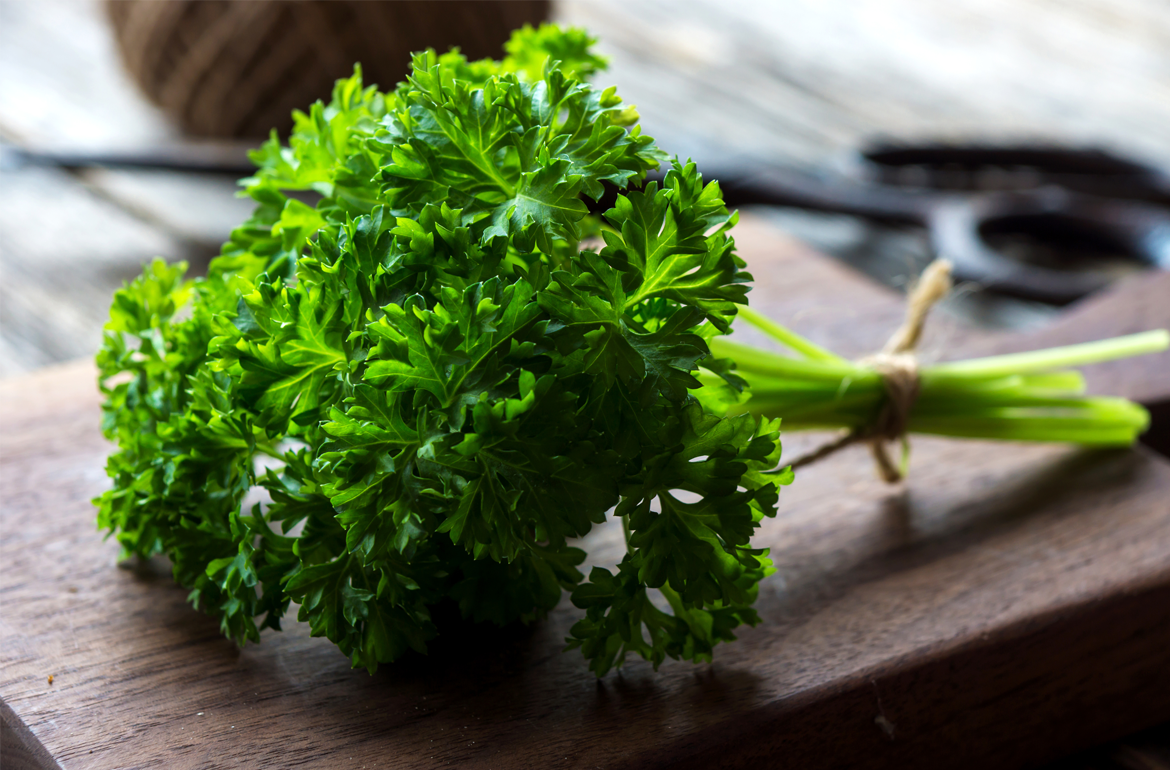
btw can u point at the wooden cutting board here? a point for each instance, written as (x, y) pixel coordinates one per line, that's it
(1008, 605)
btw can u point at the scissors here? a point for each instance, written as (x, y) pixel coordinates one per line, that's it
(965, 195)
(1070, 200)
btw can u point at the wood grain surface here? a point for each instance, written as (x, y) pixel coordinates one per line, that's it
(1009, 605)
(803, 82)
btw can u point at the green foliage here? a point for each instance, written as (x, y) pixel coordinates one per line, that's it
(422, 389)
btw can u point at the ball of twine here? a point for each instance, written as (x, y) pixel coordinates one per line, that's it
(238, 69)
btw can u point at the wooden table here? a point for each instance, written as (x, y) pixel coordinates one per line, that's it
(1009, 605)
(874, 581)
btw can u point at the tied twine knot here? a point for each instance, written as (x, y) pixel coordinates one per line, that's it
(897, 365)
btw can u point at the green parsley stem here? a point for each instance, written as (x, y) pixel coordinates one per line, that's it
(1052, 358)
(787, 337)
(1017, 397)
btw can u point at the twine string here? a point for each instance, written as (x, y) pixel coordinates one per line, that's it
(897, 365)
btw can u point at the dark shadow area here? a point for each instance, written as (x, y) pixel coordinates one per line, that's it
(1157, 437)
(468, 651)
(1146, 750)
(495, 651)
(155, 570)
(720, 687)
(1058, 241)
(896, 548)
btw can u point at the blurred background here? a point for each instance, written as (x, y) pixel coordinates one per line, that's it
(800, 88)
(803, 87)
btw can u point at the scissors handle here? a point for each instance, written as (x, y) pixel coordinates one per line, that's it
(958, 222)
(958, 228)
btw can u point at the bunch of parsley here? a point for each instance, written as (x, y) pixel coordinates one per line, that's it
(418, 391)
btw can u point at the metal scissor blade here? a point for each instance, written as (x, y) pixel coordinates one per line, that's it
(203, 158)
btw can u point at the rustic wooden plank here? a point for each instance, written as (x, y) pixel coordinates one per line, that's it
(1012, 603)
(63, 252)
(802, 82)
(786, 81)
(63, 83)
(62, 86)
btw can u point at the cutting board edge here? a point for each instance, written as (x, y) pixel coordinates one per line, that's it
(21, 749)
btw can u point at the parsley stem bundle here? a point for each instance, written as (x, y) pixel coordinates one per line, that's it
(1032, 396)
